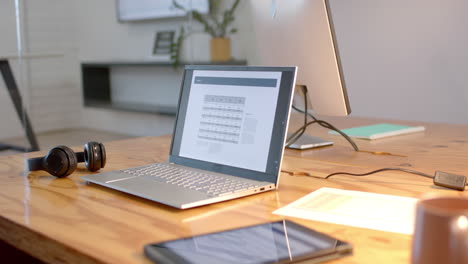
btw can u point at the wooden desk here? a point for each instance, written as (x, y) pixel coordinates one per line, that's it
(68, 220)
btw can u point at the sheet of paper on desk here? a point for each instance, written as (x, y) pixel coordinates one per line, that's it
(360, 209)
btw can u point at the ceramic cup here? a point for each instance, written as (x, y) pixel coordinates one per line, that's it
(441, 231)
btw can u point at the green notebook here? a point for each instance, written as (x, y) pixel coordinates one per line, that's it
(379, 131)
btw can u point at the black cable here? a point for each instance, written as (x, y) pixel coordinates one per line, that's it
(444, 179)
(332, 127)
(380, 170)
(325, 125)
(302, 111)
(447, 180)
(294, 136)
(298, 133)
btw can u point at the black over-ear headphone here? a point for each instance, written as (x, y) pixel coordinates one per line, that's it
(61, 161)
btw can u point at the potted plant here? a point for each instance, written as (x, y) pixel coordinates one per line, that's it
(218, 24)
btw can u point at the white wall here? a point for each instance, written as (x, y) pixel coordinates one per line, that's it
(55, 94)
(48, 80)
(10, 125)
(88, 30)
(402, 59)
(405, 59)
(102, 38)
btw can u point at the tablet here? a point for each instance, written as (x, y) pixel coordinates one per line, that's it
(277, 242)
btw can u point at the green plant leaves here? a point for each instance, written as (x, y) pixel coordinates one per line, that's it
(215, 24)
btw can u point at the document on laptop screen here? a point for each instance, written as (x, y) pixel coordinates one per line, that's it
(230, 116)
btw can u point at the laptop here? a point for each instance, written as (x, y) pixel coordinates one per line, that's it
(228, 138)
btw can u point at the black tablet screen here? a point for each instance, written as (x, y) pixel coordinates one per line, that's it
(281, 241)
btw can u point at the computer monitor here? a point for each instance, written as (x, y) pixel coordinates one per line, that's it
(300, 33)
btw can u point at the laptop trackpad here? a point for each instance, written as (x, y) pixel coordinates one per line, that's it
(159, 192)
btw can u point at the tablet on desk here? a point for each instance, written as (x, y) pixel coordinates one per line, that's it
(277, 242)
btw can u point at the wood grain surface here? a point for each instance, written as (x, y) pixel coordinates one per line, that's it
(70, 221)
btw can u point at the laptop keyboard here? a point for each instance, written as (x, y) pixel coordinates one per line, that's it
(194, 180)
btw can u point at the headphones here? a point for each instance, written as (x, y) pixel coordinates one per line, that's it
(61, 161)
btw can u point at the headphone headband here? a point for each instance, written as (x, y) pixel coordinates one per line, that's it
(35, 164)
(80, 156)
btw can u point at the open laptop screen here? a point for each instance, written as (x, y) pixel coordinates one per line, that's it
(233, 119)
(230, 114)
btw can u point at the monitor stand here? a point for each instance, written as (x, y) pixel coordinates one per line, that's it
(308, 142)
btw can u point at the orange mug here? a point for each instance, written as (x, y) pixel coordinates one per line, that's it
(441, 231)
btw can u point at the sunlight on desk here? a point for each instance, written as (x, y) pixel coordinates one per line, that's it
(359, 209)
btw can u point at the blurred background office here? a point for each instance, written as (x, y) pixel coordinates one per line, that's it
(402, 60)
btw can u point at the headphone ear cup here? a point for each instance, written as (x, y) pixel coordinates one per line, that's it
(60, 161)
(94, 156)
(103, 155)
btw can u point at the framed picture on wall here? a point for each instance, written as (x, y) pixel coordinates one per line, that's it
(131, 10)
(162, 47)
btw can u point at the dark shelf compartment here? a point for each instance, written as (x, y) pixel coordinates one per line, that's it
(97, 89)
(132, 107)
